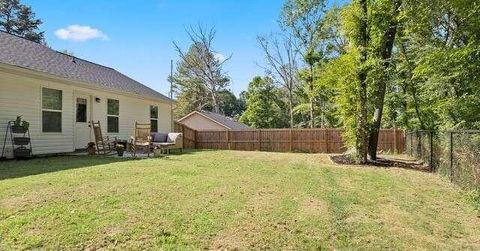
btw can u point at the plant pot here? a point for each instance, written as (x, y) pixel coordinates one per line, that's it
(21, 141)
(19, 129)
(91, 151)
(21, 152)
(120, 153)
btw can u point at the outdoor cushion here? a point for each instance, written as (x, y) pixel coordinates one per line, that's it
(160, 137)
(172, 137)
(163, 144)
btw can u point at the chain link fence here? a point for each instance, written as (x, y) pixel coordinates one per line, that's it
(455, 154)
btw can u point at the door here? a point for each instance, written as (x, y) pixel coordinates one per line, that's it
(82, 121)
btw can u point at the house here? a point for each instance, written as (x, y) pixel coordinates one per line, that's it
(59, 94)
(204, 120)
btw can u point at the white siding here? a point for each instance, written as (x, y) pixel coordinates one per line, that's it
(21, 95)
(131, 110)
(199, 122)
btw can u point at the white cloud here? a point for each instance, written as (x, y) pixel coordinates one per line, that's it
(80, 33)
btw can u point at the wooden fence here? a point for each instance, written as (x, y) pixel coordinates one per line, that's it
(318, 140)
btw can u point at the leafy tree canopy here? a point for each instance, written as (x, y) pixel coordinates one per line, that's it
(19, 19)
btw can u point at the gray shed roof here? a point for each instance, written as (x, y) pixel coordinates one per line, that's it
(221, 119)
(24, 53)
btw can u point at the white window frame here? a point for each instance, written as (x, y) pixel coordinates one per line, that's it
(114, 115)
(156, 119)
(51, 110)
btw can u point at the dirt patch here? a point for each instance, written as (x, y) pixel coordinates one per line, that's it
(342, 159)
(384, 161)
(233, 239)
(312, 206)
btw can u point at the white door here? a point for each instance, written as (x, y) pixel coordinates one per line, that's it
(82, 121)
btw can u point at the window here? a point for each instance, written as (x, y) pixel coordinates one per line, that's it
(51, 110)
(113, 109)
(81, 110)
(154, 118)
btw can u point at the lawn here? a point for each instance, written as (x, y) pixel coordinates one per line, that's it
(227, 200)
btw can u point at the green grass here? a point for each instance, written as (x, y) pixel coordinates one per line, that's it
(227, 200)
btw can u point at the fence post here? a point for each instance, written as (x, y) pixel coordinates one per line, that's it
(411, 144)
(420, 143)
(195, 139)
(451, 154)
(431, 151)
(290, 144)
(259, 140)
(228, 140)
(326, 139)
(183, 135)
(394, 140)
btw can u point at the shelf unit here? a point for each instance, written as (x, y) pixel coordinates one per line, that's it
(20, 140)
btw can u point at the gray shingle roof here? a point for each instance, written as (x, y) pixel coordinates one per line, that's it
(224, 120)
(23, 53)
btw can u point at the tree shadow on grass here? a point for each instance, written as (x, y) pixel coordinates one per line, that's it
(12, 169)
(21, 168)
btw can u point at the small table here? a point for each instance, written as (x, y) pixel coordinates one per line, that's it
(158, 148)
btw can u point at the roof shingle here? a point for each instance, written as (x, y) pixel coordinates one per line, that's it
(224, 120)
(23, 53)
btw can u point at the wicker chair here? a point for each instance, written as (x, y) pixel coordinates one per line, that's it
(141, 139)
(104, 145)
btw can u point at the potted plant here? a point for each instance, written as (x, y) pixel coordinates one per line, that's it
(91, 148)
(19, 125)
(120, 149)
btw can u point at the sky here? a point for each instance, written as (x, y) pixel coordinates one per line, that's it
(136, 37)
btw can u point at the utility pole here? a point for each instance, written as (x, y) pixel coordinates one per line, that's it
(172, 126)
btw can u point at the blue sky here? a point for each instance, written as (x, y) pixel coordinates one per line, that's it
(135, 36)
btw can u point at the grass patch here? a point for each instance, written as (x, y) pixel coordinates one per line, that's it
(228, 200)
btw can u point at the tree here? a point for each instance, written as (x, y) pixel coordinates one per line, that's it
(229, 104)
(304, 18)
(371, 27)
(20, 20)
(201, 65)
(281, 60)
(190, 96)
(264, 109)
(386, 25)
(439, 64)
(357, 22)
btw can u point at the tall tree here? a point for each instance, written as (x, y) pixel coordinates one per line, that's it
(281, 59)
(304, 19)
(440, 45)
(264, 109)
(386, 24)
(20, 20)
(229, 104)
(357, 26)
(371, 27)
(202, 65)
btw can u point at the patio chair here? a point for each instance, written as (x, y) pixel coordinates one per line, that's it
(141, 139)
(104, 145)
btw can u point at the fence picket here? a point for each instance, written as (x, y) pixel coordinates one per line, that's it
(316, 140)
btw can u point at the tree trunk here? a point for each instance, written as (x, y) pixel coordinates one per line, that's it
(215, 105)
(385, 54)
(290, 106)
(361, 142)
(413, 89)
